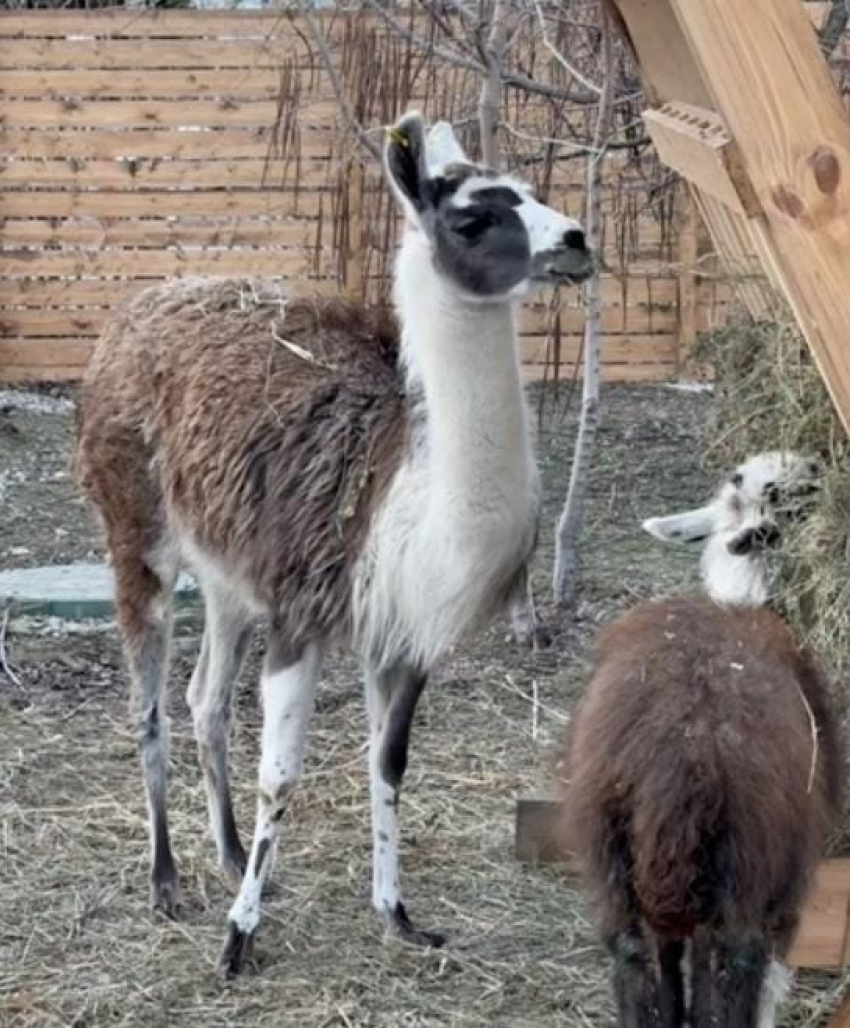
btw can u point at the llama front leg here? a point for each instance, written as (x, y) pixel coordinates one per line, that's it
(391, 697)
(527, 627)
(289, 691)
(143, 606)
(227, 635)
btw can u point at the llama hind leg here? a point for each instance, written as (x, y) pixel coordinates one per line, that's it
(289, 690)
(391, 697)
(143, 606)
(227, 635)
(647, 996)
(728, 983)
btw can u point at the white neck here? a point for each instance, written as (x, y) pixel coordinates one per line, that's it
(739, 581)
(462, 355)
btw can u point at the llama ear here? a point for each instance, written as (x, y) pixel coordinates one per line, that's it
(692, 526)
(404, 158)
(442, 147)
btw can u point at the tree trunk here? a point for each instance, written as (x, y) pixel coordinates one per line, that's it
(572, 515)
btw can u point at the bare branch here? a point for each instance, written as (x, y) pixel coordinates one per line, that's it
(559, 57)
(509, 78)
(352, 124)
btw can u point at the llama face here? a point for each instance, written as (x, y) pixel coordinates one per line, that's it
(488, 235)
(744, 519)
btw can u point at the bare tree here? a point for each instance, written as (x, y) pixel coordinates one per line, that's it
(572, 515)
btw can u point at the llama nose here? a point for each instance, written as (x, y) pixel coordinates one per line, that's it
(574, 239)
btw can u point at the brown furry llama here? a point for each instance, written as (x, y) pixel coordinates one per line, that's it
(703, 769)
(312, 470)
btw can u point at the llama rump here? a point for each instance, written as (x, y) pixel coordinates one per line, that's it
(703, 769)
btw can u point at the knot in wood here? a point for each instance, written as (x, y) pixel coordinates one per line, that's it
(787, 201)
(826, 168)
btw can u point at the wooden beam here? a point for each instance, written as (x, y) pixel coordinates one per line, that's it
(841, 1018)
(696, 143)
(770, 83)
(822, 938)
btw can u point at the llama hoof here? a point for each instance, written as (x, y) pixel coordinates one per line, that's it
(237, 954)
(165, 898)
(400, 925)
(538, 637)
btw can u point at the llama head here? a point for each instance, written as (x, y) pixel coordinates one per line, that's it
(742, 521)
(487, 234)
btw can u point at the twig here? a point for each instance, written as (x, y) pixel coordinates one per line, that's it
(559, 57)
(13, 678)
(509, 78)
(814, 729)
(352, 124)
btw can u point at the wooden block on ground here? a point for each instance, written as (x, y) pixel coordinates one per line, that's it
(822, 941)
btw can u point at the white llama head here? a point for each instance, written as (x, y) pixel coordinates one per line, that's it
(742, 521)
(486, 232)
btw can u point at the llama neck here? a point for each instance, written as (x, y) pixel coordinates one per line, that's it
(462, 357)
(738, 581)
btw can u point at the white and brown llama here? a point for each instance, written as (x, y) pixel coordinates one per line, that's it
(703, 769)
(309, 469)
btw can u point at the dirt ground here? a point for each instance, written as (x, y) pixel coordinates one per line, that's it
(77, 944)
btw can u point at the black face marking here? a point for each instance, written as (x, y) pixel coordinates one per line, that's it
(737, 480)
(754, 539)
(497, 195)
(485, 249)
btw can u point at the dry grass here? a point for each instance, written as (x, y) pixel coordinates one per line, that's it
(77, 945)
(772, 396)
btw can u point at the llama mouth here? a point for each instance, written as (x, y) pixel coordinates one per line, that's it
(563, 267)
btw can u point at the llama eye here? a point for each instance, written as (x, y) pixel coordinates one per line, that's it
(737, 480)
(471, 224)
(771, 492)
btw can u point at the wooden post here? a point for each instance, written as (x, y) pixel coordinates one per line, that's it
(688, 290)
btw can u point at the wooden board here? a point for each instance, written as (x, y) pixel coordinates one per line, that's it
(774, 91)
(822, 938)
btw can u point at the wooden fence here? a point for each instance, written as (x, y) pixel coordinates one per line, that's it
(136, 145)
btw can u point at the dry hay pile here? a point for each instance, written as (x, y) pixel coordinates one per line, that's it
(770, 396)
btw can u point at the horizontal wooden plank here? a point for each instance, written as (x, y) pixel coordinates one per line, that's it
(75, 293)
(162, 174)
(128, 114)
(77, 53)
(65, 360)
(614, 318)
(173, 143)
(154, 263)
(608, 373)
(33, 291)
(19, 232)
(259, 83)
(614, 349)
(620, 373)
(244, 203)
(29, 353)
(144, 24)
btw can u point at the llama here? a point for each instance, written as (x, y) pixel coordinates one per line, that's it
(311, 470)
(703, 769)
